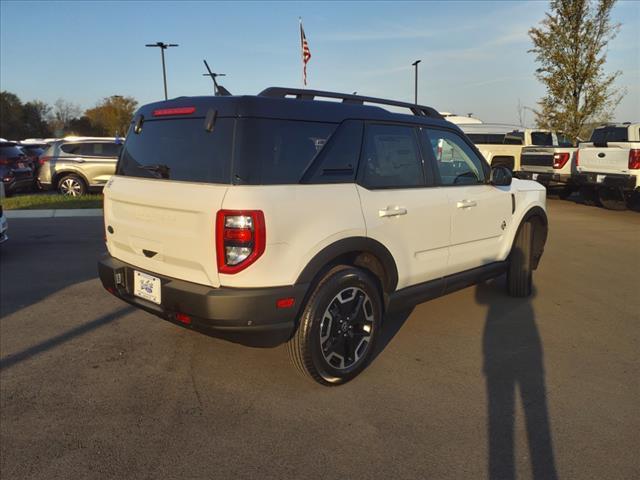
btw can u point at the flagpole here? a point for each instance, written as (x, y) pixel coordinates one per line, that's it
(301, 50)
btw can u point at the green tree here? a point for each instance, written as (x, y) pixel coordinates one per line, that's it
(113, 114)
(34, 117)
(10, 116)
(570, 48)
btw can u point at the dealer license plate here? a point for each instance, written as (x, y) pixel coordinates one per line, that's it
(147, 287)
(600, 178)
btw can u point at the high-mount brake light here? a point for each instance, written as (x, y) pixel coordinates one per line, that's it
(634, 159)
(166, 112)
(240, 239)
(560, 160)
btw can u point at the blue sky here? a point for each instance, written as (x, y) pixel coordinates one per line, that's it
(474, 53)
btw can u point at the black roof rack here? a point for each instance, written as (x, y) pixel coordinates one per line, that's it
(302, 94)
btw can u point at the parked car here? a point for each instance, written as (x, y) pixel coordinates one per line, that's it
(77, 165)
(15, 169)
(3, 219)
(553, 166)
(283, 218)
(33, 151)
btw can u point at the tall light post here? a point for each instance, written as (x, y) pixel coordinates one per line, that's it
(415, 64)
(163, 46)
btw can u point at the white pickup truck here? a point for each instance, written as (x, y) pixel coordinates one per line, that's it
(552, 165)
(608, 166)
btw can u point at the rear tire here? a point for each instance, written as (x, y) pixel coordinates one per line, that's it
(338, 328)
(565, 193)
(519, 274)
(611, 198)
(72, 185)
(589, 196)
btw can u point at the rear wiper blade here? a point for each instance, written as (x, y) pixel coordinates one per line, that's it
(160, 169)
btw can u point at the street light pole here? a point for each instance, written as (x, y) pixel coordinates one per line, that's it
(415, 64)
(163, 46)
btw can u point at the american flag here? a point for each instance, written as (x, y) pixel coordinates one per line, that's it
(306, 53)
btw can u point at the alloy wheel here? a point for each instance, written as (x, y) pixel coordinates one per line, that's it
(347, 327)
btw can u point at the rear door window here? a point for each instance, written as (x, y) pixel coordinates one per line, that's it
(391, 157)
(179, 149)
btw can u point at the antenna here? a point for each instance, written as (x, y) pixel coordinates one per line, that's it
(218, 90)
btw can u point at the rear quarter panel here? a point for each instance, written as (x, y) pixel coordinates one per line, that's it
(300, 221)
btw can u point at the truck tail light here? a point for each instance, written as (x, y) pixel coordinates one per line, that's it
(577, 157)
(560, 160)
(634, 159)
(240, 239)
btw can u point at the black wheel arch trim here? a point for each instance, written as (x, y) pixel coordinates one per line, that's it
(352, 246)
(540, 234)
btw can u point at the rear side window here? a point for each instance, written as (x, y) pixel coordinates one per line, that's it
(391, 157)
(179, 149)
(270, 151)
(71, 148)
(338, 161)
(600, 136)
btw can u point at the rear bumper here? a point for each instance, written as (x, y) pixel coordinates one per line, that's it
(13, 184)
(546, 178)
(243, 315)
(625, 182)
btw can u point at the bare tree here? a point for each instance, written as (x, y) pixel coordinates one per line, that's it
(63, 113)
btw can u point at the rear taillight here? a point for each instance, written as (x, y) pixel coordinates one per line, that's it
(43, 160)
(560, 160)
(634, 159)
(240, 239)
(4, 161)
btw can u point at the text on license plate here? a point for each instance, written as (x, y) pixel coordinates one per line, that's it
(146, 286)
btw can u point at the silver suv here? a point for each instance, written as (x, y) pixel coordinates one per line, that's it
(77, 165)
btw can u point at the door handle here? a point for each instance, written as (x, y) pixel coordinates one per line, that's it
(78, 160)
(466, 204)
(392, 211)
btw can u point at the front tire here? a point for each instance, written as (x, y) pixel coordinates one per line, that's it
(519, 275)
(338, 328)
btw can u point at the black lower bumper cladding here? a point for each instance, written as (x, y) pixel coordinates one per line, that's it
(249, 316)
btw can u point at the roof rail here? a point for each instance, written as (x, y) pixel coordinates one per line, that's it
(302, 94)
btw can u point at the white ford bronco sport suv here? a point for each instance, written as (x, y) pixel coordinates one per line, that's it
(608, 166)
(283, 218)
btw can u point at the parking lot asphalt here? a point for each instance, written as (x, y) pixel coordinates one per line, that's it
(468, 384)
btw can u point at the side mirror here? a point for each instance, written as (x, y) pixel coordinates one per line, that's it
(500, 176)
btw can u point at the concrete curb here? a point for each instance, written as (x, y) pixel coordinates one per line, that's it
(78, 212)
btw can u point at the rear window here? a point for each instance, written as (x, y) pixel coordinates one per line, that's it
(10, 151)
(486, 138)
(179, 149)
(542, 139)
(266, 151)
(609, 134)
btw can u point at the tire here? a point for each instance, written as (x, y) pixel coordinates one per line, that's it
(72, 185)
(338, 328)
(519, 274)
(589, 196)
(611, 198)
(565, 193)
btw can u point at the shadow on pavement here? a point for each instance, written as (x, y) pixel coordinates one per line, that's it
(513, 363)
(13, 359)
(45, 255)
(391, 325)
